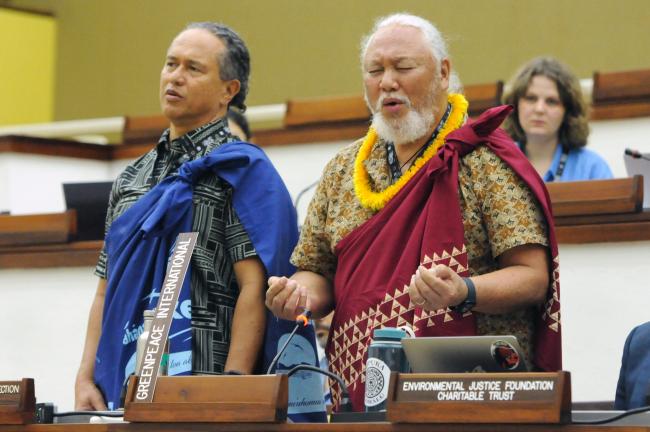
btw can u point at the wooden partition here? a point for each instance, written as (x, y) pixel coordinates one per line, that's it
(597, 197)
(585, 212)
(37, 229)
(302, 112)
(54, 147)
(483, 96)
(621, 94)
(143, 129)
(320, 427)
(307, 120)
(600, 211)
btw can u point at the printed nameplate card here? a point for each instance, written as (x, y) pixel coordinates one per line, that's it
(480, 398)
(17, 401)
(169, 293)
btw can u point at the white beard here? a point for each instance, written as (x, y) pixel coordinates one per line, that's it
(405, 130)
(402, 131)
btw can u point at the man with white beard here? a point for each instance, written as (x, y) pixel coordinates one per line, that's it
(430, 221)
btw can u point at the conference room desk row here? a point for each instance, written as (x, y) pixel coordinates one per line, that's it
(320, 427)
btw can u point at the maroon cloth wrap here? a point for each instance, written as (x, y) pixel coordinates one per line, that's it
(423, 224)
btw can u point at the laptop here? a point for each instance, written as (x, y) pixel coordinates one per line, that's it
(639, 165)
(90, 200)
(459, 354)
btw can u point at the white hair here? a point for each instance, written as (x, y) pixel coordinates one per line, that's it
(430, 32)
(432, 35)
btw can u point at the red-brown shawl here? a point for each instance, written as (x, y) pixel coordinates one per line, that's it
(422, 224)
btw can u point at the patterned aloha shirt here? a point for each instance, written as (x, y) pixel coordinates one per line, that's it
(499, 213)
(222, 239)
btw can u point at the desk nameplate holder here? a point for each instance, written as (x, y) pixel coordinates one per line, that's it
(219, 399)
(537, 397)
(17, 402)
(236, 398)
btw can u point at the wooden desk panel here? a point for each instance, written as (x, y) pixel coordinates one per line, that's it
(75, 254)
(569, 230)
(54, 147)
(318, 427)
(37, 229)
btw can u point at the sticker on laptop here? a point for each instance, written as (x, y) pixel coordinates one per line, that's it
(505, 355)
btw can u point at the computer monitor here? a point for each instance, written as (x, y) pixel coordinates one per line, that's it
(448, 354)
(90, 200)
(639, 165)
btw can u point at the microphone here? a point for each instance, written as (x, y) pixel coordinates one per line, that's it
(303, 319)
(636, 154)
(300, 319)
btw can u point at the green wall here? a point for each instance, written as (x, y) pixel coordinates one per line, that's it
(27, 65)
(110, 51)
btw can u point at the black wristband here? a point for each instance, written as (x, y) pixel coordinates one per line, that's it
(470, 301)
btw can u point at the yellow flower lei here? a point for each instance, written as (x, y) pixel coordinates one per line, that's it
(377, 200)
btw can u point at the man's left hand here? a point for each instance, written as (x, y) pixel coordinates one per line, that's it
(436, 288)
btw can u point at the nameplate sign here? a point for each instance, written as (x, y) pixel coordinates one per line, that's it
(161, 323)
(9, 392)
(212, 398)
(480, 397)
(17, 401)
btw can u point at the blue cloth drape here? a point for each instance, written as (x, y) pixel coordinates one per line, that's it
(139, 244)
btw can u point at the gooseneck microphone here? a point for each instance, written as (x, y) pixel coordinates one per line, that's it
(636, 154)
(302, 319)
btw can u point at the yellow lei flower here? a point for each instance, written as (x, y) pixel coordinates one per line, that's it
(377, 200)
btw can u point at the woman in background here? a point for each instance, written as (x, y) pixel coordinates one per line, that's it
(549, 122)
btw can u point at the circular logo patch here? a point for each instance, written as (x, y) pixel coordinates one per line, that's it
(374, 382)
(377, 377)
(505, 354)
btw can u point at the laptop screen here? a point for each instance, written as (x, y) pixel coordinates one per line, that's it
(460, 354)
(90, 200)
(640, 166)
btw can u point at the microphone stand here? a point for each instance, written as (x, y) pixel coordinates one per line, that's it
(303, 319)
(300, 319)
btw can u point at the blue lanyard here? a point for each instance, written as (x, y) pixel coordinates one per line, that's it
(562, 164)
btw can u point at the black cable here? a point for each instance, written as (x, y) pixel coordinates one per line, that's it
(345, 405)
(302, 192)
(613, 418)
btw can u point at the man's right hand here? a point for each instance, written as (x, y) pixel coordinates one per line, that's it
(87, 396)
(286, 298)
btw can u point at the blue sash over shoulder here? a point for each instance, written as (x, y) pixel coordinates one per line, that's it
(139, 244)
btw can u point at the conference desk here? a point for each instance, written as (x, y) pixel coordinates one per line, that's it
(321, 427)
